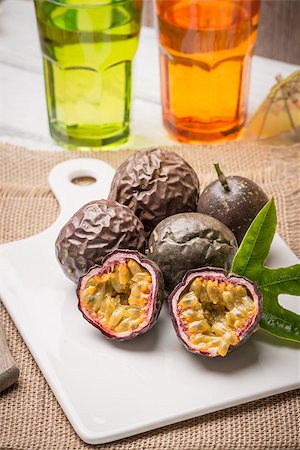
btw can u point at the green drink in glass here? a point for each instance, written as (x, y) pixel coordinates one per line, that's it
(88, 47)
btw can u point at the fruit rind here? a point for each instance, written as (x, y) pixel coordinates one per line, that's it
(156, 293)
(221, 275)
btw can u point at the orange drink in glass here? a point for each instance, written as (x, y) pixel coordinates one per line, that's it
(206, 48)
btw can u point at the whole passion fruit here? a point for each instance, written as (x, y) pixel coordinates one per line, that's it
(234, 201)
(214, 313)
(155, 184)
(94, 231)
(123, 297)
(188, 241)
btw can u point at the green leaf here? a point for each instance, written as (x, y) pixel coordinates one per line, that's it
(274, 282)
(249, 262)
(255, 246)
(285, 329)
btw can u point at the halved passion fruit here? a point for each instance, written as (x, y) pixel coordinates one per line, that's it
(122, 297)
(213, 313)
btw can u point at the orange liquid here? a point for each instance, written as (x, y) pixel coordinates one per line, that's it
(205, 56)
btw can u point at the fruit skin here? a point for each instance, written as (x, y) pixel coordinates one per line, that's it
(94, 231)
(187, 241)
(157, 294)
(215, 273)
(155, 184)
(237, 207)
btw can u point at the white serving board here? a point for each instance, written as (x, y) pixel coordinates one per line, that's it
(111, 390)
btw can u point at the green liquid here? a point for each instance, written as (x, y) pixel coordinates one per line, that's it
(88, 52)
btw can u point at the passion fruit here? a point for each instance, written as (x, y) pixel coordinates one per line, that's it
(94, 231)
(155, 184)
(122, 297)
(187, 241)
(214, 313)
(234, 201)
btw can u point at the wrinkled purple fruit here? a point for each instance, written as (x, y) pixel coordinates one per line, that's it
(155, 184)
(122, 297)
(94, 231)
(214, 313)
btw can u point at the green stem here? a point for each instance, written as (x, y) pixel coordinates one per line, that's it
(221, 177)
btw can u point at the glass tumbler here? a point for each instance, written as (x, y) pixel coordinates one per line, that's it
(205, 55)
(88, 47)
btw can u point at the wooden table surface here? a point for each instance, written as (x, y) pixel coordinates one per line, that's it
(23, 116)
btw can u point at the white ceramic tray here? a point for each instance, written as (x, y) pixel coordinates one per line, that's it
(112, 390)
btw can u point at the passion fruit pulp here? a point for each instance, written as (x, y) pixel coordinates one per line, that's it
(123, 297)
(214, 313)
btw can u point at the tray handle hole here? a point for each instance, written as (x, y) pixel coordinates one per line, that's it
(83, 180)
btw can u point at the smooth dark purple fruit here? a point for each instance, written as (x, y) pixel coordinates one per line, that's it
(155, 184)
(234, 201)
(122, 297)
(188, 241)
(214, 313)
(94, 231)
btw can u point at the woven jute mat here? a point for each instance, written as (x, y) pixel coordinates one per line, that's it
(30, 416)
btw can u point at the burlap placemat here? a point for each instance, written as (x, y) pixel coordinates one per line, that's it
(31, 418)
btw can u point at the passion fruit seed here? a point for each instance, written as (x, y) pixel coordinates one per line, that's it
(119, 299)
(212, 313)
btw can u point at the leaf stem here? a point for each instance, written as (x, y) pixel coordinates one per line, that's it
(221, 177)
